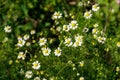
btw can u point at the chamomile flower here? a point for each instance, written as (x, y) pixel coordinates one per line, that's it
(66, 28)
(101, 39)
(58, 28)
(7, 29)
(118, 44)
(88, 14)
(95, 31)
(77, 43)
(21, 55)
(21, 43)
(73, 24)
(68, 42)
(36, 65)
(42, 41)
(37, 78)
(81, 78)
(95, 7)
(78, 38)
(26, 37)
(46, 51)
(57, 15)
(28, 74)
(32, 32)
(57, 52)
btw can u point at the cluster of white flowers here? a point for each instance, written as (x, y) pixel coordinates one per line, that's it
(72, 25)
(21, 42)
(78, 41)
(56, 15)
(24, 40)
(46, 51)
(98, 35)
(35, 65)
(88, 14)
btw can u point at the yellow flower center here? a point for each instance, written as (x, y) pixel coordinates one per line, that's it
(100, 38)
(94, 31)
(57, 51)
(68, 41)
(57, 14)
(41, 41)
(95, 6)
(77, 43)
(20, 42)
(35, 64)
(8, 28)
(65, 27)
(87, 14)
(73, 24)
(45, 51)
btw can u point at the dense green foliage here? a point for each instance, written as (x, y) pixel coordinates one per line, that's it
(36, 30)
